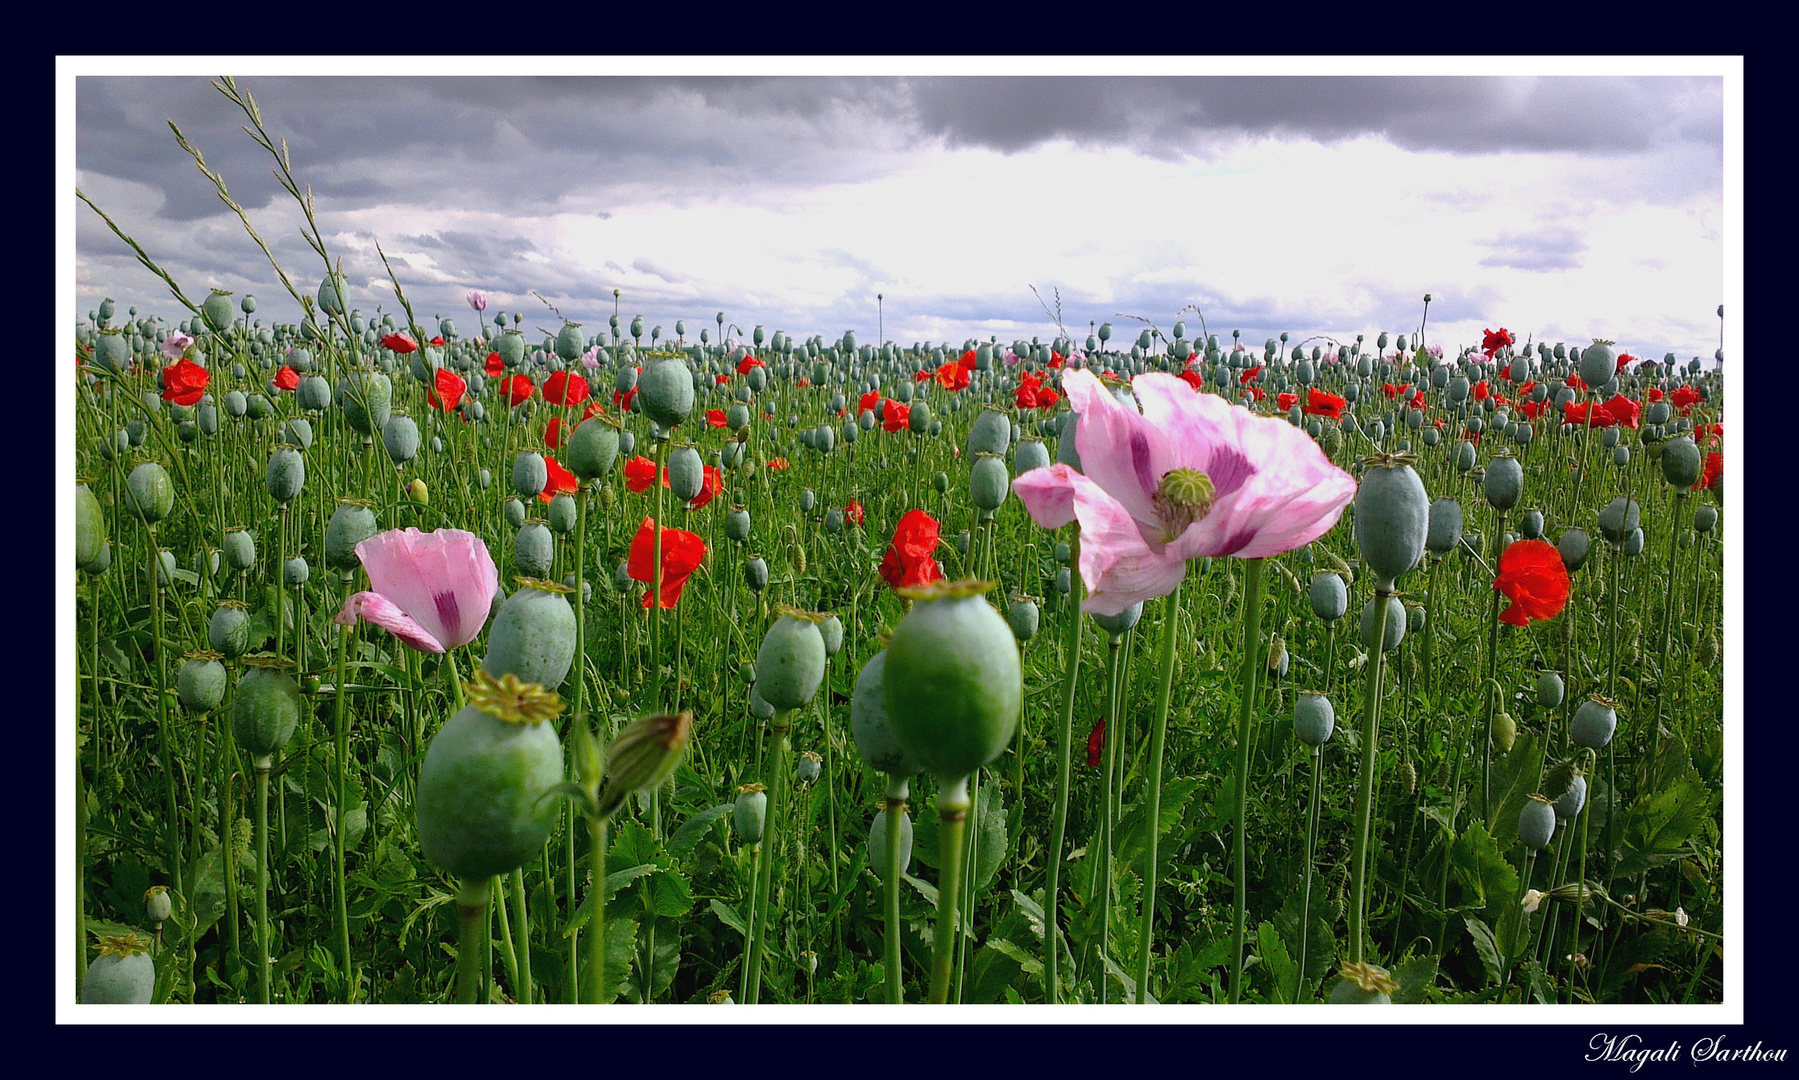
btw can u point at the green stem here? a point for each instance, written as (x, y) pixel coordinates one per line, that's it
(1052, 928)
(776, 778)
(896, 812)
(1252, 647)
(1305, 904)
(1365, 796)
(1492, 696)
(593, 971)
(265, 947)
(338, 788)
(471, 916)
(952, 812)
(1153, 812)
(508, 952)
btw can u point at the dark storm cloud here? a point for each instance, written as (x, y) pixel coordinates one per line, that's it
(1168, 115)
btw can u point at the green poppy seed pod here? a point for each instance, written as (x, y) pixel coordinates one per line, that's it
(331, 301)
(940, 482)
(1329, 596)
(919, 421)
(401, 438)
(875, 738)
(228, 631)
(112, 352)
(1504, 482)
(240, 549)
(1023, 617)
(236, 404)
(529, 474)
(313, 395)
(90, 527)
(217, 310)
(953, 684)
(563, 513)
(737, 524)
(1116, 626)
(1464, 456)
(1619, 518)
(265, 710)
(533, 550)
(1705, 519)
(1681, 463)
(151, 492)
(749, 812)
(1598, 364)
(295, 572)
(791, 662)
(807, 768)
(297, 432)
(1569, 806)
(1363, 984)
(1549, 689)
(514, 513)
(1573, 547)
(1621, 456)
(1593, 724)
(366, 398)
(158, 906)
(350, 525)
(686, 474)
(1530, 525)
(1030, 454)
(592, 450)
(1063, 581)
(1444, 531)
(206, 417)
(988, 483)
(833, 521)
(480, 803)
(1396, 624)
(483, 479)
(1658, 412)
(1392, 515)
(831, 630)
(200, 684)
(991, 433)
(1314, 719)
(256, 407)
(808, 500)
(1608, 438)
(123, 973)
(532, 636)
(511, 347)
(1536, 822)
(877, 842)
(1505, 731)
(665, 390)
(286, 474)
(755, 573)
(570, 342)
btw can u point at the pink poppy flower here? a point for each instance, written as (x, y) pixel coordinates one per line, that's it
(1188, 476)
(431, 590)
(175, 345)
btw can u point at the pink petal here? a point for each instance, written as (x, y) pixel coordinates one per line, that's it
(1119, 450)
(1118, 568)
(444, 580)
(377, 609)
(1048, 494)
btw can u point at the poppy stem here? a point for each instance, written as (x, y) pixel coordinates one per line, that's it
(1365, 796)
(1305, 903)
(342, 726)
(1252, 646)
(776, 778)
(1492, 698)
(952, 812)
(471, 918)
(1052, 928)
(1171, 615)
(896, 811)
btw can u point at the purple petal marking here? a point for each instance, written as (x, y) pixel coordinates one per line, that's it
(449, 613)
(1228, 470)
(1238, 541)
(1140, 462)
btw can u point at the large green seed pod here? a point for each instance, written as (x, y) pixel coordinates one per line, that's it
(1573, 547)
(1363, 984)
(686, 473)
(1598, 364)
(1396, 624)
(755, 573)
(1549, 689)
(514, 513)
(351, 523)
(295, 572)
(331, 300)
(265, 710)
(481, 805)
(1705, 519)
(533, 635)
(1116, 626)
(529, 474)
(123, 973)
(952, 682)
(240, 549)
(313, 394)
(665, 390)
(400, 435)
(1536, 822)
(737, 524)
(570, 342)
(112, 351)
(1314, 719)
(1681, 462)
(366, 397)
(533, 550)
(217, 310)
(1572, 801)
(511, 347)
(564, 515)
(874, 734)
(200, 684)
(151, 492)
(592, 449)
(1444, 531)
(1619, 518)
(1593, 724)
(286, 474)
(1530, 525)
(1031, 454)
(991, 433)
(988, 483)
(90, 527)
(1329, 596)
(877, 843)
(228, 631)
(1504, 482)
(1392, 518)
(790, 663)
(749, 813)
(1023, 617)
(919, 420)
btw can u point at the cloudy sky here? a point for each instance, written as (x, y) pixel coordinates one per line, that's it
(1564, 208)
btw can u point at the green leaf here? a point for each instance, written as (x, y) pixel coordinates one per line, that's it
(1490, 881)
(1514, 778)
(1657, 826)
(621, 947)
(1281, 967)
(669, 895)
(1484, 946)
(694, 829)
(112, 654)
(1029, 964)
(728, 915)
(1415, 977)
(989, 837)
(1131, 838)
(618, 879)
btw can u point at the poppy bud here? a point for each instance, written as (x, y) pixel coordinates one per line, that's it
(749, 813)
(877, 841)
(1314, 719)
(641, 757)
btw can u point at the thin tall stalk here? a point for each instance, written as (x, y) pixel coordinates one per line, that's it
(1153, 811)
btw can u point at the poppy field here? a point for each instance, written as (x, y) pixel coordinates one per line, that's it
(502, 658)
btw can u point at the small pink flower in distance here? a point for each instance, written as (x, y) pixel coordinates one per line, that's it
(477, 299)
(175, 345)
(431, 590)
(1169, 475)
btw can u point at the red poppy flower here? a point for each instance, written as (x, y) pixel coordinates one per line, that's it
(868, 403)
(1482, 391)
(1196, 381)
(1684, 398)
(1439, 423)
(777, 464)
(1625, 358)
(1533, 577)
(560, 479)
(1533, 409)
(908, 559)
(519, 389)
(1594, 415)
(399, 343)
(896, 417)
(721, 379)
(563, 388)
(287, 378)
(1624, 411)
(1047, 398)
(921, 376)
(640, 473)
(748, 362)
(593, 409)
(854, 512)
(1524, 390)
(1284, 402)
(623, 401)
(446, 390)
(1655, 393)
(1055, 360)
(1505, 372)
(495, 366)
(952, 376)
(1258, 393)
(1320, 403)
(184, 382)
(682, 554)
(1494, 340)
(711, 483)
(1096, 743)
(438, 340)
(1418, 400)
(968, 361)
(1393, 391)
(1026, 397)
(715, 418)
(554, 435)
(1713, 477)
(1250, 376)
